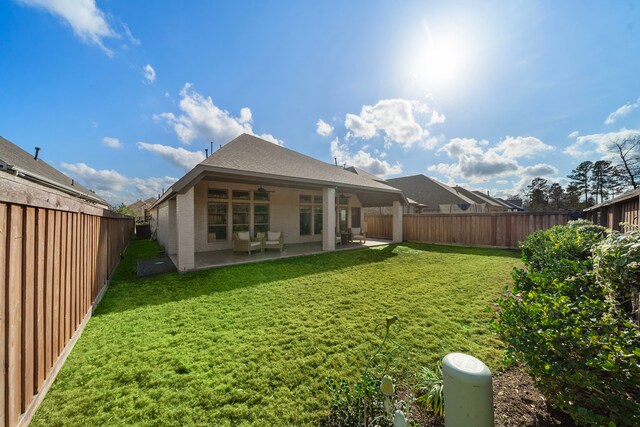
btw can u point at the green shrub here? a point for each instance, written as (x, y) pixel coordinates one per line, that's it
(563, 321)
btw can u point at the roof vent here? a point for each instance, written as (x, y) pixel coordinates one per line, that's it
(37, 151)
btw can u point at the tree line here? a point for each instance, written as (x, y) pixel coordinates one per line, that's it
(591, 182)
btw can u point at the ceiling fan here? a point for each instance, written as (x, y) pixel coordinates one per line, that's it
(261, 189)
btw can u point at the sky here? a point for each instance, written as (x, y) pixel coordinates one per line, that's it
(126, 96)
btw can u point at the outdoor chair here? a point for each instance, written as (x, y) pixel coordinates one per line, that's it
(242, 242)
(274, 240)
(357, 234)
(338, 239)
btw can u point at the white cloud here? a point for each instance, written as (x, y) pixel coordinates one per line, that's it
(99, 180)
(178, 156)
(521, 146)
(85, 18)
(149, 73)
(324, 128)
(573, 134)
(363, 160)
(111, 142)
(401, 121)
(477, 162)
(436, 118)
(134, 41)
(115, 187)
(597, 143)
(621, 112)
(202, 119)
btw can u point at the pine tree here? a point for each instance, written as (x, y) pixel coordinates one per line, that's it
(537, 194)
(601, 177)
(556, 196)
(581, 177)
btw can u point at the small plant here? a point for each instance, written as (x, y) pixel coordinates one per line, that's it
(431, 387)
(371, 401)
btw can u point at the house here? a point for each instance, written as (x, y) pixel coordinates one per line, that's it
(141, 208)
(622, 209)
(513, 205)
(481, 199)
(29, 170)
(253, 185)
(431, 196)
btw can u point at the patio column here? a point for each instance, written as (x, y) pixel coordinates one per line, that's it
(329, 219)
(185, 230)
(397, 222)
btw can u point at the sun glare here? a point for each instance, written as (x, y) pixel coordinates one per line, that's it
(441, 60)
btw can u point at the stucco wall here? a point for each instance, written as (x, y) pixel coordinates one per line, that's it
(284, 213)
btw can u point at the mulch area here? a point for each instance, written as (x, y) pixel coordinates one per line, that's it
(516, 403)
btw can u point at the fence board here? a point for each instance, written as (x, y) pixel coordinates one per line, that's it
(28, 308)
(14, 315)
(3, 316)
(40, 301)
(493, 229)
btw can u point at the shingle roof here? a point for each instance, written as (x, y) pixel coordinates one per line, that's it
(624, 196)
(18, 159)
(428, 191)
(473, 195)
(492, 200)
(365, 174)
(250, 156)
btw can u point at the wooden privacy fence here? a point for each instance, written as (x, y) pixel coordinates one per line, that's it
(54, 266)
(503, 230)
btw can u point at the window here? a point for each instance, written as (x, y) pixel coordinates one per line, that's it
(260, 218)
(218, 194)
(317, 200)
(305, 220)
(305, 198)
(240, 195)
(262, 196)
(343, 200)
(216, 221)
(240, 217)
(355, 217)
(317, 219)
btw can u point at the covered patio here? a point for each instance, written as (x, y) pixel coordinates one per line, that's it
(253, 186)
(226, 257)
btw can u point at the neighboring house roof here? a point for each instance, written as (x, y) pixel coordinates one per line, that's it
(515, 202)
(511, 204)
(250, 159)
(428, 191)
(475, 196)
(15, 160)
(625, 196)
(492, 200)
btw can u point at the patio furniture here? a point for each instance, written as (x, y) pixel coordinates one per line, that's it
(242, 242)
(357, 234)
(338, 239)
(274, 240)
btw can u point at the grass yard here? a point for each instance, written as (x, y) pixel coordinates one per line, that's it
(253, 344)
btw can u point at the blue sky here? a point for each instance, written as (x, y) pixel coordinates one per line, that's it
(125, 96)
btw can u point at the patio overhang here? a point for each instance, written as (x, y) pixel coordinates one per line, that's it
(368, 196)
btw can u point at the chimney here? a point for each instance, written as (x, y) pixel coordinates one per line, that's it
(72, 182)
(335, 159)
(37, 151)
(206, 153)
(211, 147)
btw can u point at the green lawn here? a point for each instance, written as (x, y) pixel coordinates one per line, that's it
(252, 344)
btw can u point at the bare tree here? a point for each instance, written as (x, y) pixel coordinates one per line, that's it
(628, 150)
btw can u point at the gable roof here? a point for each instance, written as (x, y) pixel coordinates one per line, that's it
(248, 158)
(510, 204)
(428, 191)
(15, 160)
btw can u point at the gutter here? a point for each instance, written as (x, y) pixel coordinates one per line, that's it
(50, 183)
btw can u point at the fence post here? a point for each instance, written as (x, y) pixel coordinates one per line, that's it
(468, 391)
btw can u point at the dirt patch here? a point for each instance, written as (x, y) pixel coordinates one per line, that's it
(517, 402)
